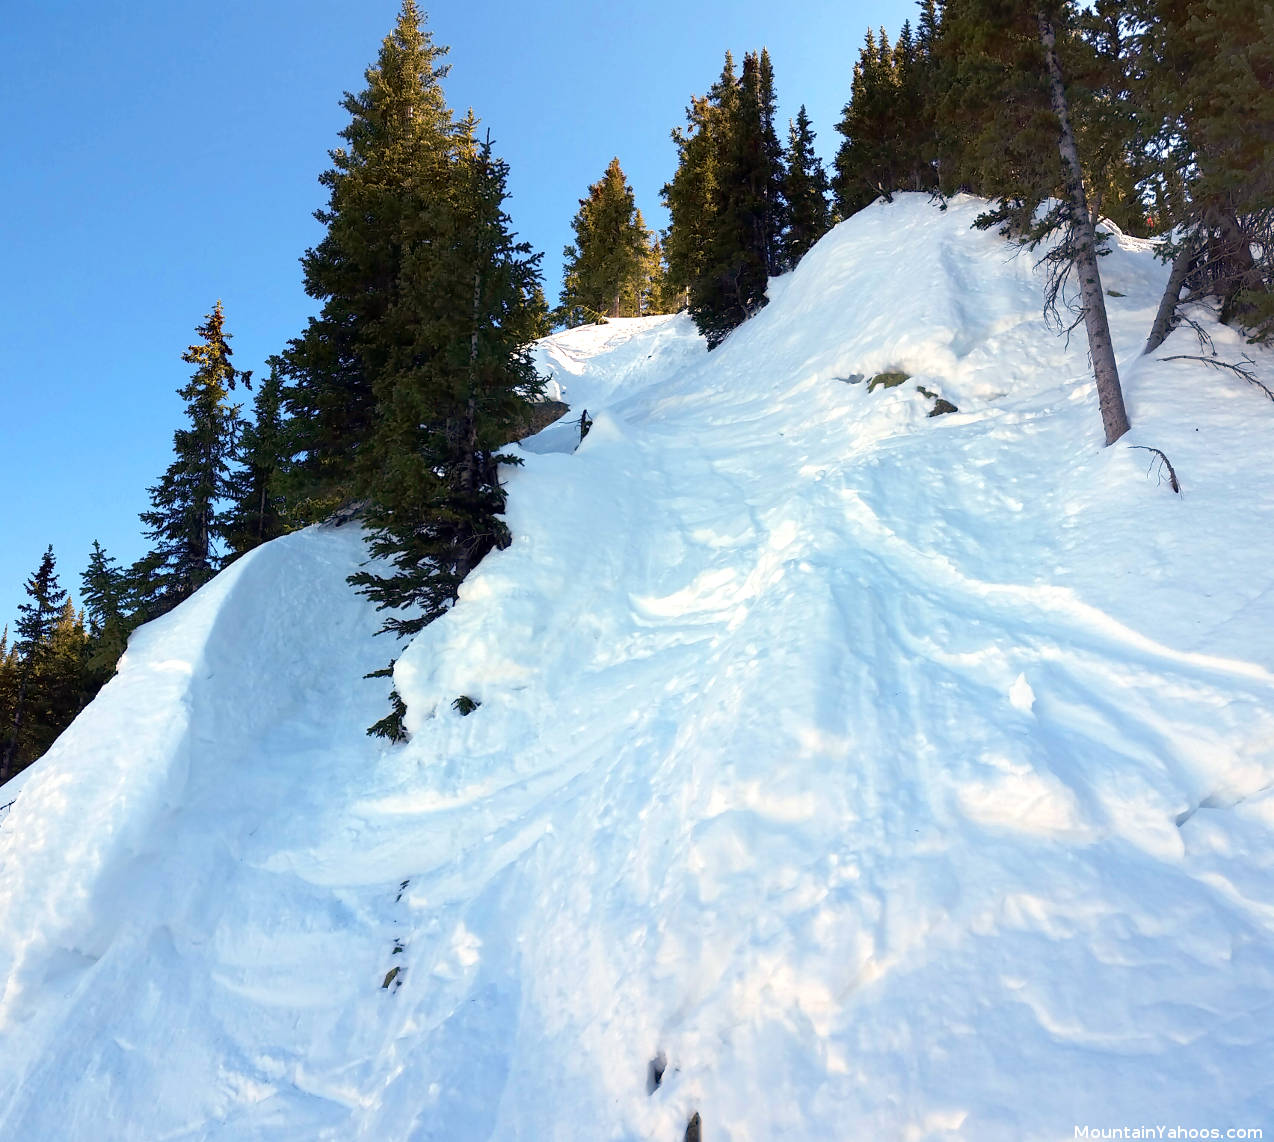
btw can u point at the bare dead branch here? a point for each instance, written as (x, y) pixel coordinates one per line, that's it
(1058, 262)
(1239, 370)
(1163, 460)
(1205, 338)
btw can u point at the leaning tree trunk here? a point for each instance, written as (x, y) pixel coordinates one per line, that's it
(1114, 416)
(1165, 318)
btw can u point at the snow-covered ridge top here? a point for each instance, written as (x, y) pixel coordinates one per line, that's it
(893, 776)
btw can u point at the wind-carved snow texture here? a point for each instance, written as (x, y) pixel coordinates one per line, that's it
(882, 776)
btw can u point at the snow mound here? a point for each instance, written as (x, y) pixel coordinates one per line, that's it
(887, 775)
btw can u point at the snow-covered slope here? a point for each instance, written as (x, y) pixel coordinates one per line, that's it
(888, 776)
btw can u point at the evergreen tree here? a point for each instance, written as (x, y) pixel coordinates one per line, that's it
(916, 78)
(37, 620)
(999, 122)
(417, 370)
(694, 196)
(927, 79)
(603, 270)
(928, 29)
(732, 285)
(805, 190)
(656, 294)
(726, 200)
(1111, 131)
(379, 209)
(104, 590)
(775, 216)
(871, 162)
(999, 128)
(1203, 78)
(257, 513)
(9, 673)
(145, 590)
(541, 320)
(451, 397)
(63, 683)
(186, 521)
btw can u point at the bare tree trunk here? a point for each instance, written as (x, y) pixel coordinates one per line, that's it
(1114, 416)
(1167, 314)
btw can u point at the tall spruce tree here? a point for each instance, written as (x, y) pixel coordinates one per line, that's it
(10, 668)
(775, 216)
(604, 268)
(450, 397)
(929, 78)
(656, 295)
(187, 521)
(890, 137)
(915, 79)
(543, 318)
(999, 127)
(257, 512)
(63, 683)
(732, 286)
(805, 190)
(870, 162)
(1202, 76)
(1110, 132)
(379, 209)
(37, 620)
(694, 195)
(104, 590)
(725, 200)
(417, 370)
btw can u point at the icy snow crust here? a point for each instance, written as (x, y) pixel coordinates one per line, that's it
(896, 777)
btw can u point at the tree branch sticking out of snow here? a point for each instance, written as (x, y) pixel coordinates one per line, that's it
(1173, 482)
(1242, 370)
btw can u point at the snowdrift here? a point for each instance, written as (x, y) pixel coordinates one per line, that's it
(862, 773)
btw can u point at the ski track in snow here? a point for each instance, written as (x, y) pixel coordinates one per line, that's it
(896, 777)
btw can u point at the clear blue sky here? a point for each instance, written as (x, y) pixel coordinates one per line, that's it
(163, 155)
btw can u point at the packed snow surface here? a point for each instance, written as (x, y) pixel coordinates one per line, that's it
(888, 776)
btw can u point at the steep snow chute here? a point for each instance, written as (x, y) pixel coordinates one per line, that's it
(881, 775)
